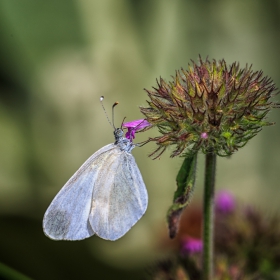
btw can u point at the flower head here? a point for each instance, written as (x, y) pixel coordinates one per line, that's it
(134, 126)
(225, 202)
(210, 107)
(191, 245)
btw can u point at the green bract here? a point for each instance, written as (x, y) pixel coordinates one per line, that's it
(210, 107)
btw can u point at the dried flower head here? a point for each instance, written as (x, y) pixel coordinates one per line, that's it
(209, 107)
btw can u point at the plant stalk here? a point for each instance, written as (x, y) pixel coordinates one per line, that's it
(9, 273)
(208, 216)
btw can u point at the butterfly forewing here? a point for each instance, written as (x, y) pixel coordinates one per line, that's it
(67, 216)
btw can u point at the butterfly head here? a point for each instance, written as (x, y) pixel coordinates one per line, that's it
(123, 143)
(118, 133)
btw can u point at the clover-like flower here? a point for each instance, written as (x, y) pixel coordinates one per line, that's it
(210, 107)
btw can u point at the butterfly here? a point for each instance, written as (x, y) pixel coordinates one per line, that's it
(106, 196)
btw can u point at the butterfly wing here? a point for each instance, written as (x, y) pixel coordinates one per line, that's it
(119, 198)
(67, 216)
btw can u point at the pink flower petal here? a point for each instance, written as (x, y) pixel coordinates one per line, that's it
(134, 126)
(138, 124)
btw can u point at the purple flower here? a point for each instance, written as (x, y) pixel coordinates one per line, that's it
(191, 245)
(134, 126)
(225, 202)
(204, 135)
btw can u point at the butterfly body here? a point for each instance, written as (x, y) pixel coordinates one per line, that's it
(106, 196)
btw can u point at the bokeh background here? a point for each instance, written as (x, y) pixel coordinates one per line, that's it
(57, 59)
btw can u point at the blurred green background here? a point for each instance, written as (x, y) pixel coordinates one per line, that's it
(57, 58)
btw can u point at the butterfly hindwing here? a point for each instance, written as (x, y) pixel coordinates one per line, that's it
(119, 198)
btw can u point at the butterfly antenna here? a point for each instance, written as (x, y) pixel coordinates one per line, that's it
(123, 122)
(101, 101)
(113, 119)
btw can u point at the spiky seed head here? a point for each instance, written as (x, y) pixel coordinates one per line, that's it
(210, 107)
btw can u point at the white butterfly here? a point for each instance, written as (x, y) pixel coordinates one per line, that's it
(106, 196)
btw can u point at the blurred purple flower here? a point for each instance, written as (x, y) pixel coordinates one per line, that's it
(225, 202)
(134, 126)
(204, 135)
(191, 245)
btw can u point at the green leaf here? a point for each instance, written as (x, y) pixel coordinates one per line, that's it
(182, 196)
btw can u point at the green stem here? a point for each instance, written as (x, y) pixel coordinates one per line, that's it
(9, 273)
(208, 216)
